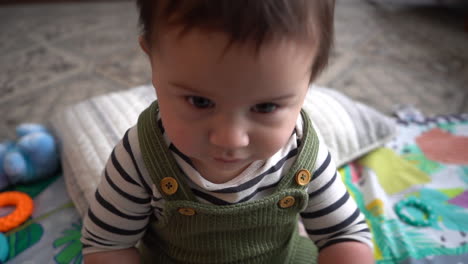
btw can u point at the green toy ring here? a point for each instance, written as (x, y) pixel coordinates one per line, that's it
(4, 248)
(418, 204)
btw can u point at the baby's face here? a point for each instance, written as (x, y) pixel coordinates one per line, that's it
(225, 108)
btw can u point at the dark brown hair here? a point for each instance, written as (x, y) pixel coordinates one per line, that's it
(247, 20)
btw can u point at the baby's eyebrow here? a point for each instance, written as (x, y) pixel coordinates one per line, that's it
(282, 97)
(193, 90)
(183, 87)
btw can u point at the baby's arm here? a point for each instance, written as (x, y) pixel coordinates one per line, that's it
(332, 219)
(124, 256)
(346, 252)
(119, 212)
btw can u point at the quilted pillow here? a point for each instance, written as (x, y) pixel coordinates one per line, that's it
(88, 131)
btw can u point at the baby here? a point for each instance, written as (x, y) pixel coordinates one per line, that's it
(221, 168)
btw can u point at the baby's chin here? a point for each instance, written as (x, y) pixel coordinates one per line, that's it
(219, 171)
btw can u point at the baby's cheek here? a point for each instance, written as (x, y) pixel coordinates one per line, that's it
(191, 143)
(185, 142)
(270, 143)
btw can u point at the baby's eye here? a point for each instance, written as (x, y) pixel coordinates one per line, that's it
(200, 102)
(265, 108)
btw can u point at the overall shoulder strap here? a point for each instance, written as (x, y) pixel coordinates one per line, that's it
(306, 158)
(161, 165)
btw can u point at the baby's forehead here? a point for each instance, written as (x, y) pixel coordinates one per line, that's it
(177, 36)
(217, 48)
(200, 62)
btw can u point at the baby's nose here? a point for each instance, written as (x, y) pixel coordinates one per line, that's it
(229, 136)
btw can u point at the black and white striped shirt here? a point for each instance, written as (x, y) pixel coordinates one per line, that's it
(126, 197)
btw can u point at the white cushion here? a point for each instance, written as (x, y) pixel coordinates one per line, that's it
(88, 131)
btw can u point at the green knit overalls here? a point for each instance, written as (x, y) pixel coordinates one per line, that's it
(261, 231)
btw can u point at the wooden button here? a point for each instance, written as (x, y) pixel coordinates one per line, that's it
(187, 211)
(169, 185)
(303, 177)
(287, 202)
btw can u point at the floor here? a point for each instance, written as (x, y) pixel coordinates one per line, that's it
(53, 55)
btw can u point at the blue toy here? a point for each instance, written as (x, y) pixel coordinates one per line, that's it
(32, 157)
(4, 248)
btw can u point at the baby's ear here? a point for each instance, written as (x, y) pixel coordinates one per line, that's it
(144, 45)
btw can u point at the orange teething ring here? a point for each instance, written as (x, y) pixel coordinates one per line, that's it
(24, 207)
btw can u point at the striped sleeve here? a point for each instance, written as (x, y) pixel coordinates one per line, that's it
(332, 215)
(119, 211)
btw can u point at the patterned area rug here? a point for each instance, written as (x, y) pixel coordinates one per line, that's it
(426, 162)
